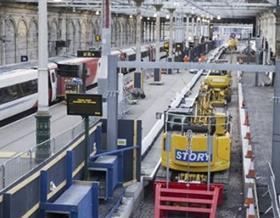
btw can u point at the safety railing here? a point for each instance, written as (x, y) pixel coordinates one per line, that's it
(17, 166)
(272, 193)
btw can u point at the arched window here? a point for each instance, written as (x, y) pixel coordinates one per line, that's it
(33, 40)
(21, 40)
(10, 41)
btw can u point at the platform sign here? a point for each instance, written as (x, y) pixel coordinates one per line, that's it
(88, 54)
(84, 105)
(97, 38)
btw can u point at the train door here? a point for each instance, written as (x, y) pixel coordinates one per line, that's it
(53, 85)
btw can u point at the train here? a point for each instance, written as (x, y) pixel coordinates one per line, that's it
(18, 87)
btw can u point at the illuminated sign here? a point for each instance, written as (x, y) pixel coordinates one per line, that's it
(84, 104)
(97, 38)
(88, 54)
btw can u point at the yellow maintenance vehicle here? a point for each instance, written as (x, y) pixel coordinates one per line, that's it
(218, 84)
(232, 42)
(193, 134)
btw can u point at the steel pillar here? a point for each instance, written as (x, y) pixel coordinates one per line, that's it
(258, 49)
(43, 116)
(106, 46)
(187, 30)
(138, 74)
(193, 28)
(150, 31)
(112, 103)
(3, 29)
(171, 11)
(157, 76)
(106, 27)
(275, 161)
(170, 51)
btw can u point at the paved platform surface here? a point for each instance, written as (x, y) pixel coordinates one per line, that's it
(20, 135)
(260, 106)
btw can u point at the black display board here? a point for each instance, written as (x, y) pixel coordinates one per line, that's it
(84, 105)
(88, 54)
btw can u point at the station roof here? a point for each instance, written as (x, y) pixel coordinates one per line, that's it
(207, 8)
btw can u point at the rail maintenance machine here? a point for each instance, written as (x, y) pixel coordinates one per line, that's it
(195, 152)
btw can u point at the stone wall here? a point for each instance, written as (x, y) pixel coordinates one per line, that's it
(19, 31)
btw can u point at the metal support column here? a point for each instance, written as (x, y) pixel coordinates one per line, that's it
(138, 74)
(43, 116)
(163, 30)
(170, 51)
(3, 37)
(112, 103)
(157, 76)
(258, 49)
(153, 31)
(106, 46)
(187, 30)
(193, 28)
(275, 162)
(150, 31)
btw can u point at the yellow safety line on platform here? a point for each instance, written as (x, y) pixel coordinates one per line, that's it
(11, 154)
(8, 154)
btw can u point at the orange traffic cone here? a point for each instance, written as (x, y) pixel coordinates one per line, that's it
(249, 198)
(252, 172)
(250, 153)
(249, 137)
(246, 122)
(251, 211)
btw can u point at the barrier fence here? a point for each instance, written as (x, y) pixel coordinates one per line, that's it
(16, 167)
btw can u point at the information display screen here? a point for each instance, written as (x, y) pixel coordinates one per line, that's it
(84, 105)
(88, 54)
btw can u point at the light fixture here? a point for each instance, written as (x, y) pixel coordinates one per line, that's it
(219, 17)
(198, 18)
(155, 14)
(130, 16)
(148, 18)
(167, 16)
(97, 13)
(141, 17)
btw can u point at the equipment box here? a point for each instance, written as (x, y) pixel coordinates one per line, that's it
(105, 171)
(76, 202)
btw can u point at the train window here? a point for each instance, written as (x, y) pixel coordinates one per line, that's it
(9, 93)
(29, 87)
